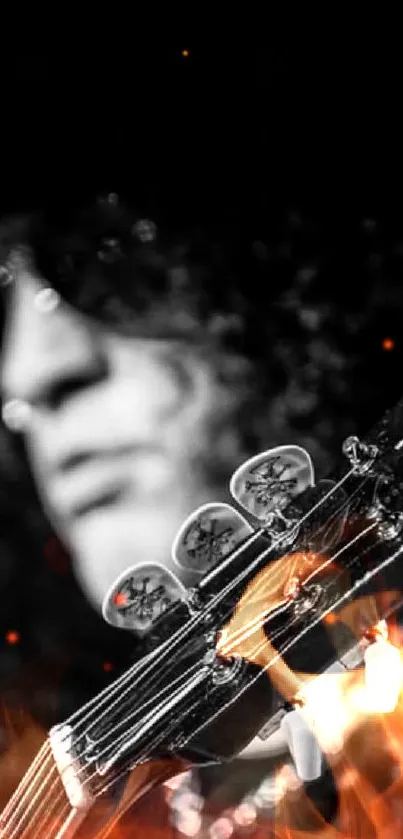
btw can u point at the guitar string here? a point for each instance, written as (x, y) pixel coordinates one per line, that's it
(106, 695)
(46, 800)
(123, 772)
(296, 620)
(344, 504)
(169, 689)
(220, 597)
(54, 775)
(374, 572)
(63, 812)
(248, 628)
(319, 503)
(333, 488)
(125, 678)
(358, 584)
(21, 823)
(28, 776)
(279, 633)
(199, 618)
(369, 575)
(66, 808)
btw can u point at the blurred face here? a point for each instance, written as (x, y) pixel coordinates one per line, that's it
(115, 431)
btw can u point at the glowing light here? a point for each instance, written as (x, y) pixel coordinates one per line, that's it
(292, 588)
(107, 666)
(185, 53)
(388, 344)
(383, 677)
(286, 781)
(189, 822)
(13, 637)
(221, 829)
(245, 814)
(176, 781)
(120, 599)
(330, 619)
(380, 630)
(46, 300)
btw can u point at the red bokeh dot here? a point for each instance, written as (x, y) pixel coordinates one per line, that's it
(120, 599)
(12, 637)
(107, 666)
(388, 344)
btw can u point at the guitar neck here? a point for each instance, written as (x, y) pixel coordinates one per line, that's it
(39, 805)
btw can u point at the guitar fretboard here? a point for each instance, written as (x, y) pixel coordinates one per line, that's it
(39, 806)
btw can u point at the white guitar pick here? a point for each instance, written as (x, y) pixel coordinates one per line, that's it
(303, 746)
(209, 535)
(269, 481)
(140, 595)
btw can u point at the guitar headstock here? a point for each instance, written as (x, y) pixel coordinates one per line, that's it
(287, 586)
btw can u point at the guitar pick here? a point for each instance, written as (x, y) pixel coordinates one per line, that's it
(140, 595)
(303, 746)
(209, 535)
(269, 481)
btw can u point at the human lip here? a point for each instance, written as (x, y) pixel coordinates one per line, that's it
(88, 481)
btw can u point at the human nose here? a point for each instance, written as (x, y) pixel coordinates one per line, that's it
(49, 351)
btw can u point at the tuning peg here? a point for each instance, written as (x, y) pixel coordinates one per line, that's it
(303, 746)
(268, 481)
(207, 536)
(140, 595)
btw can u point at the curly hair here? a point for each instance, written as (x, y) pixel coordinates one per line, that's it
(263, 310)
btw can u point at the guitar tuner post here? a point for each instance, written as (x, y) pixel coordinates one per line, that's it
(361, 455)
(195, 603)
(225, 671)
(279, 527)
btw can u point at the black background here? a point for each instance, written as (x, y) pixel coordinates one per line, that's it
(237, 127)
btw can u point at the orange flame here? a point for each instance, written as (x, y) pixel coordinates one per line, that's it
(357, 716)
(364, 748)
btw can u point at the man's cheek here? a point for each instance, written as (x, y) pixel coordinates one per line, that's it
(153, 474)
(141, 406)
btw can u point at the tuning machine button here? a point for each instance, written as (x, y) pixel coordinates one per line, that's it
(210, 534)
(361, 455)
(265, 484)
(140, 596)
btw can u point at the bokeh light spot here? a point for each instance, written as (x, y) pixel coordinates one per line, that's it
(13, 637)
(120, 599)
